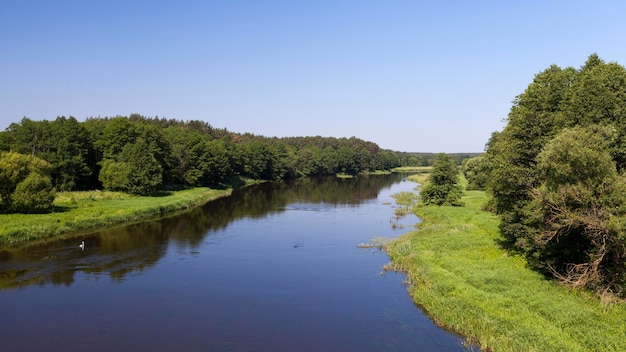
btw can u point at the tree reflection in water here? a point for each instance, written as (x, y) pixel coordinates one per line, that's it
(118, 251)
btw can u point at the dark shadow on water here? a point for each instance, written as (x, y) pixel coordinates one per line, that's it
(124, 249)
(216, 278)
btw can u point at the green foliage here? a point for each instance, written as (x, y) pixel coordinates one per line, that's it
(216, 165)
(346, 157)
(531, 123)
(187, 148)
(579, 210)
(476, 170)
(598, 96)
(103, 153)
(555, 191)
(64, 143)
(442, 187)
(309, 161)
(465, 281)
(117, 133)
(34, 194)
(330, 162)
(114, 175)
(25, 184)
(146, 174)
(386, 160)
(136, 172)
(428, 159)
(260, 161)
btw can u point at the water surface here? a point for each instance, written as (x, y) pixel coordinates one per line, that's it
(271, 268)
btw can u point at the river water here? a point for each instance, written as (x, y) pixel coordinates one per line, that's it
(274, 267)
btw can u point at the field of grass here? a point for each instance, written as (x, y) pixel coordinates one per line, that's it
(458, 273)
(420, 169)
(79, 212)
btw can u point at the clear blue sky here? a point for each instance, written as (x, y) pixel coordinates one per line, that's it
(423, 76)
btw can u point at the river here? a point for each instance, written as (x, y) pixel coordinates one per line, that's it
(274, 267)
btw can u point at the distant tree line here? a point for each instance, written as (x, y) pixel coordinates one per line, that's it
(142, 155)
(556, 174)
(428, 159)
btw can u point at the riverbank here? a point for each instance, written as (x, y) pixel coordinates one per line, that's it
(80, 212)
(466, 282)
(416, 169)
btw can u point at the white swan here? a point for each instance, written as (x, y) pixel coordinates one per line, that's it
(82, 245)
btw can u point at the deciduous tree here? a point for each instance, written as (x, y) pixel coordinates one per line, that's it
(442, 187)
(25, 184)
(579, 210)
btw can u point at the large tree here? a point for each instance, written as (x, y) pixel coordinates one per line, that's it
(64, 143)
(579, 210)
(135, 170)
(443, 186)
(532, 121)
(532, 170)
(476, 171)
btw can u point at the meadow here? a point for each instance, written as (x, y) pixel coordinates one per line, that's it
(81, 212)
(457, 271)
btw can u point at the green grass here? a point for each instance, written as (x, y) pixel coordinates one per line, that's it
(344, 175)
(420, 169)
(419, 178)
(79, 212)
(405, 198)
(457, 272)
(404, 202)
(378, 172)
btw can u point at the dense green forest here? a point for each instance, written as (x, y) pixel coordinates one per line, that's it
(428, 159)
(141, 155)
(556, 174)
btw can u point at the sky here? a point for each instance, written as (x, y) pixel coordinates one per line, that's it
(414, 76)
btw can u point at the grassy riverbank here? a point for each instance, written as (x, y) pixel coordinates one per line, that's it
(465, 281)
(78, 212)
(418, 169)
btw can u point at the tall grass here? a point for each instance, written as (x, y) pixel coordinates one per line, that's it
(78, 212)
(458, 273)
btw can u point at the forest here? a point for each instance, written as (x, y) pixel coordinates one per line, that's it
(143, 156)
(556, 175)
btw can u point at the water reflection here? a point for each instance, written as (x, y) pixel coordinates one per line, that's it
(114, 252)
(271, 268)
(119, 251)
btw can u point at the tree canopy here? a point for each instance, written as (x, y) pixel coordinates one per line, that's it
(25, 184)
(556, 174)
(143, 155)
(443, 186)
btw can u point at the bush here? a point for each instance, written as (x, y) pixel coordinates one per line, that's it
(442, 187)
(25, 184)
(33, 195)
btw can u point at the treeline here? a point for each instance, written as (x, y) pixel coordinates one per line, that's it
(428, 159)
(556, 174)
(142, 155)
